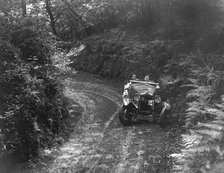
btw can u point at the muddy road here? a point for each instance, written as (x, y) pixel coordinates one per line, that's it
(100, 144)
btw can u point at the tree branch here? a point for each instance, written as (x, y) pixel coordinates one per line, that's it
(23, 5)
(75, 15)
(52, 20)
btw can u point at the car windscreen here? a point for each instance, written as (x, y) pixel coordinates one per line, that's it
(144, 88)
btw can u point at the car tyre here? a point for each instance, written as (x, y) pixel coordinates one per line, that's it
(163, 118)
(124, 116)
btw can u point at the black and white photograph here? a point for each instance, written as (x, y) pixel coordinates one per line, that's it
(111, 86)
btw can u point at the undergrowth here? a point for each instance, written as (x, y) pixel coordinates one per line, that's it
(33, 107)
(203, 146)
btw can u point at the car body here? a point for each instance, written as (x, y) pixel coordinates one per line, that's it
(141, 102)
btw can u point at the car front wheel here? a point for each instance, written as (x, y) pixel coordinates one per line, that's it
(124, 116)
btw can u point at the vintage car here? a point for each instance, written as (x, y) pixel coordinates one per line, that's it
(141, 102)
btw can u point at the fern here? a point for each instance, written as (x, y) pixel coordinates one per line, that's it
(213, 126)
(203, 147)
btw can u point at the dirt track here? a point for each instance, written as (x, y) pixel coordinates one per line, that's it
(100, 144)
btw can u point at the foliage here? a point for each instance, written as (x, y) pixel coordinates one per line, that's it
(112, 57)
(200, 96)
(203, 146)
(102, 58)
(32, 103)
(160, 38)
(195, 22)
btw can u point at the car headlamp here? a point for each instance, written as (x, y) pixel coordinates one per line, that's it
(157, 99)
(126, 100)
(137, 98)
(157, 87)
(125, 93)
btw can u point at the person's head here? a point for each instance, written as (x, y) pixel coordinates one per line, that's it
(222, 98)
(133, 77)
(146, 78)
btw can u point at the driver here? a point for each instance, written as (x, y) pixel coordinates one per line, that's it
(134, 77)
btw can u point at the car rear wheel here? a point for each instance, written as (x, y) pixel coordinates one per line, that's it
(163, 118)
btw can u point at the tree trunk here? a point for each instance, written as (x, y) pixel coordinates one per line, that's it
(87, 26)
(52, 20)
(23, 5)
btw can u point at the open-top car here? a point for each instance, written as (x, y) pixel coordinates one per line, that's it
(141, 102)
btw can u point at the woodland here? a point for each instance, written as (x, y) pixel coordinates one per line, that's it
(179, 43)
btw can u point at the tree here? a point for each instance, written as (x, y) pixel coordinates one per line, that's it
(78, 18)
(52, 19)
(23, 6)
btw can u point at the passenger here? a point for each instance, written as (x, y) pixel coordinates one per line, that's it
(146, 78)
(128, 83)
(134, 77)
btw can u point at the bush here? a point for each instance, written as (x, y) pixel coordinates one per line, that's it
(203, 145)
(101, 57)
(32, 104)
(113, 58)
